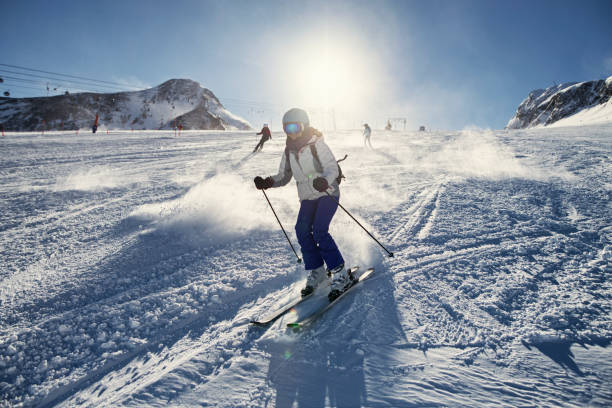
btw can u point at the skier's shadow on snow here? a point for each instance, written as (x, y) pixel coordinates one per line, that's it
(327, 360)
(308, 373)
(242, 161)
(392, 159)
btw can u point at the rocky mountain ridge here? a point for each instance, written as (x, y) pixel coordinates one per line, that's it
(183, 100)
(544, 107)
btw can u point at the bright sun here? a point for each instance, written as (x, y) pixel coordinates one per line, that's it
(331, 74)
(326, 81)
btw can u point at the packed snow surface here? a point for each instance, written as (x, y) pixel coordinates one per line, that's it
(132, 262)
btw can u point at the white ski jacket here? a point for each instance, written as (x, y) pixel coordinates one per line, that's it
(305, 168)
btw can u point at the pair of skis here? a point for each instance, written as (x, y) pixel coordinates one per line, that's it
(356, 278)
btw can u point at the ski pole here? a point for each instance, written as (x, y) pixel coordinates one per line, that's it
(299, 260)
(358, 223)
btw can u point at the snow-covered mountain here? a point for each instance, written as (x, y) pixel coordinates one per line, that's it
(566, 104)
(193, 106)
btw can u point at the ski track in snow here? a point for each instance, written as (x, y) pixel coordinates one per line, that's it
(132, 263)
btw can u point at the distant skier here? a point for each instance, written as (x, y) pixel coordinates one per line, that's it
(266, 135)
(310, 161)
(94, 128)
(367, 132)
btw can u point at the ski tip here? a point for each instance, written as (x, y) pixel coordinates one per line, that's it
(293, 325)
(256, 323)
(366, 273)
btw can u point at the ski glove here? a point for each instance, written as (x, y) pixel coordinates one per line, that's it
(263, 184)
(320, 184)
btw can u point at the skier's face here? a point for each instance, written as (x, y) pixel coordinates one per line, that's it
(295, 135)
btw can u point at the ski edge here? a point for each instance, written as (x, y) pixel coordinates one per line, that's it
(279, 314)
(302, 323)
(291, 306)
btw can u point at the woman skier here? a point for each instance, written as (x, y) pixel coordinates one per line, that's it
(310, 161)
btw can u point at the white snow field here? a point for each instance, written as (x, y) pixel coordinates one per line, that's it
(132, 263)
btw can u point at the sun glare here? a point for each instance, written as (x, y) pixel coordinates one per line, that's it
(330, 81)
(332, 74)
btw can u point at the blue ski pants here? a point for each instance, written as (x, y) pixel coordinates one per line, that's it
(312, 230)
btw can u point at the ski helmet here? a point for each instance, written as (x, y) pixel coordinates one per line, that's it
(296, 115)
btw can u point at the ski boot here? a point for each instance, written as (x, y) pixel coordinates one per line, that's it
(315, 277)
(341, 280)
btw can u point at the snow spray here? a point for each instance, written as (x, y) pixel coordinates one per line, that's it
(299, 260)
(358, 223)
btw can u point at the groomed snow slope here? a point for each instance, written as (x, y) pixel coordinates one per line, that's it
(131, 264)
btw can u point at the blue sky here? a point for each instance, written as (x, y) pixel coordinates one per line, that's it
(444, 64)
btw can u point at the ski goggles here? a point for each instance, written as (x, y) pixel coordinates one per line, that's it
(293, 128)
